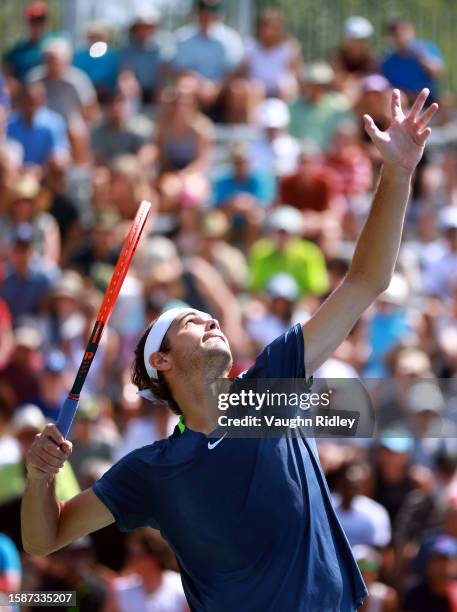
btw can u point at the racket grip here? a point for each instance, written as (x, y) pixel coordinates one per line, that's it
(67, 414)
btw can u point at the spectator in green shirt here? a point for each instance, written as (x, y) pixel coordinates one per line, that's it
(317, 111)
(284, 251)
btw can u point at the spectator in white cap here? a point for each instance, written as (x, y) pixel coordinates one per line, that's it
(285, 251)
(440, 274)
(353, 59)
(266, 321)
(275, 151)
(144, 54)
(318, 108)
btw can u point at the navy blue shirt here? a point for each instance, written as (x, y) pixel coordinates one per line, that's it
(250, 520)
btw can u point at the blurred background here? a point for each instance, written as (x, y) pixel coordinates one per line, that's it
(242, 123)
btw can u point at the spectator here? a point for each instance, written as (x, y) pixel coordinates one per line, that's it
(144, 55)
(310, 189)
(62, 207)
(286, 252)
(27, 54)
(213, 247)
(40, 130)
(26, 285)
(265, 322)
(440, 274)
(53, 385)
(183, 140)
(381, 597)
(114, 136)
(242, 194)
(24, 208)
(211, 50)
(414, 63)
(275, 151)
(436, 589)
(395, 475)
(129, 186)
(150, 583)
(388, 325)
(10, 567)
(273, 58)
(364, 520)
(374, 100)
(91, 440)
(354, 59)
(69, 91)
(347, 163)
(20, 375)
(318, 109)
(98, 60)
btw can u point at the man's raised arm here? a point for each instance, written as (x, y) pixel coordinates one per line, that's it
(46, 524)
(401, 147)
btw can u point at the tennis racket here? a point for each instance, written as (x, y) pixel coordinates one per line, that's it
(70, 406)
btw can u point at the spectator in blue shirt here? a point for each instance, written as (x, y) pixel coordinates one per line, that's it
(414, 63)
(10, 566)
(209, 49)
(41, 132)
(25, 285)
(98, 60)
(242, 192)
(143, 54)
(27, 53)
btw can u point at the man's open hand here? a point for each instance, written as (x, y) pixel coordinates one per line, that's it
(402, 144)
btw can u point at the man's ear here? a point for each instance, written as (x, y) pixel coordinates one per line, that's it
(160, 361)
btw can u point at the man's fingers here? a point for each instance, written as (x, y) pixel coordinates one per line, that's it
(371, 128)
(44, 461)
(425, 118)
(422, 137)
(395, 105)
(418, 104)
(51, 431)
(55, 451)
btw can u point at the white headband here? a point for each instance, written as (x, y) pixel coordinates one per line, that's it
(156, 335)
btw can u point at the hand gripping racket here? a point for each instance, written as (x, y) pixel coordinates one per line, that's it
(68, 410)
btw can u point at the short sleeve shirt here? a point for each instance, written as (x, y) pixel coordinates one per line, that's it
(250, 520)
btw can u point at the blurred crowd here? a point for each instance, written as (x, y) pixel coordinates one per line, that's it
(261, 176)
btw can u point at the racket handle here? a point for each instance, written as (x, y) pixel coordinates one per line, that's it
(67, 414)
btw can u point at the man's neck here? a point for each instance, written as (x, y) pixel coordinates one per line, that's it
(195, 402)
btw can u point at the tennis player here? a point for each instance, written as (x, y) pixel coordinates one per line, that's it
(250, 520)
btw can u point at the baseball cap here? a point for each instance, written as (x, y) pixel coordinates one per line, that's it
(447, 217)
(423, 396)
(357, 27)
(442, 545)
(28, 416)
(28, 337)
(23, 232)
(375, 82)
(69, 285)
(146, 16)
(26, 188)
(36, 10)
(319, 73)
(286, 218)
(213, 224)
(273, 113)
(283, 285)
(396, 439)
(55, 362)
(397, 292)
